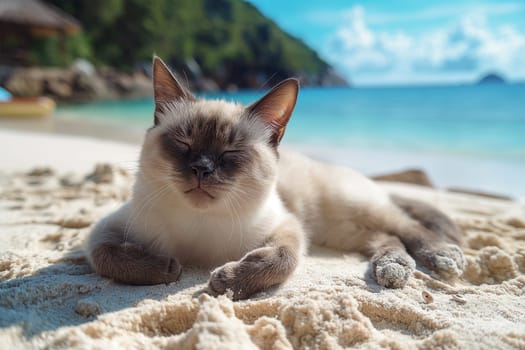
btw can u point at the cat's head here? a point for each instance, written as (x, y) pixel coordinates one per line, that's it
(214, 153)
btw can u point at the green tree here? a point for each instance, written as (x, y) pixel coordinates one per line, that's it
(225, 37)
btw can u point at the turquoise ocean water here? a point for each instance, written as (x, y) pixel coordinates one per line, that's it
(463, 135)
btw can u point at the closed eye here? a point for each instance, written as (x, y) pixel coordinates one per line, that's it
(230, 153)
(183, 144)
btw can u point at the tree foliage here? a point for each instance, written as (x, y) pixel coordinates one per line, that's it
(225, 37)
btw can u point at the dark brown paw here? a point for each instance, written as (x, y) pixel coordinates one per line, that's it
(228, 279)
(132, 264)
(173, 271)
(449, 261)
(257, 271)
(392, 270)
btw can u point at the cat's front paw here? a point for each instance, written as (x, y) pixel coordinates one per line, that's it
(131, 263)
(449, 261)
(227, 278)
(392, 270)
(257, 271)
(173, 271)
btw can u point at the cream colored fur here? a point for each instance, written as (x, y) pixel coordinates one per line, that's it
(160, 217)
(339, 207)
(256, 228)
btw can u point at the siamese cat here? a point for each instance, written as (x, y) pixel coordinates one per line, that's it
(214, 190)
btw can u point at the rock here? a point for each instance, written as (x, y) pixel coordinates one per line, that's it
(73, 222)
(516, 222)
(413, 176)
(79, 83)
(31, 82)
(90, 87)
(232, 88)
(193, 67)
(121, 82)
(142, 86)
(491, 78)
(87, 307)
(332, 78)
(41, 171)
(103, 173)
(479, 193)
(57, 87)
(132, 85)
(20, 83)
(126, 85)
(206, 84)
(71, 180)
(83, 66)
(82, 82)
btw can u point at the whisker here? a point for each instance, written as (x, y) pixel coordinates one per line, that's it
(164, 193)
(148, 199)
(241, 233)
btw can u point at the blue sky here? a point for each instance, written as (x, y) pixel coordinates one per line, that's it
(409, 42)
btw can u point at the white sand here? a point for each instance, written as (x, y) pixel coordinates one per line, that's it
(50, 298)
(24, 150)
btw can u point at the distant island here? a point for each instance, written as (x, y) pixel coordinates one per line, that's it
(491, 78)
(212, 44)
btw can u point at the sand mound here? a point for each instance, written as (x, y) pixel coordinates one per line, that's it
(50, 297)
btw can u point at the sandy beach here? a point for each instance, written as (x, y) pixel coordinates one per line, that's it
(51, 193)
(426, 98)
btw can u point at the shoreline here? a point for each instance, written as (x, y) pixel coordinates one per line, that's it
(60, 152)
(489, 176)
(58, 125)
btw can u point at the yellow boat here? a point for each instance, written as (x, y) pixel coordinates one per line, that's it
(27, 107)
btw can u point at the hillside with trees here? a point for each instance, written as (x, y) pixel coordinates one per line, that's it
(226, 43)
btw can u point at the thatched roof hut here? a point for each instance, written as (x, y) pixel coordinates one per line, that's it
(21, 21)
(34, 18)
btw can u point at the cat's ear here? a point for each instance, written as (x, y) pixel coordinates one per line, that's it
(166, 87)
(276, 107)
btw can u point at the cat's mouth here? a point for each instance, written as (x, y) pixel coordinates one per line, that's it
(199, 191)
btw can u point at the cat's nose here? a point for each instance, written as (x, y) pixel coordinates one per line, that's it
(202, 167)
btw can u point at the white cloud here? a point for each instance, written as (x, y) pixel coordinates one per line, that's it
(327, 17)
(445, 11)
(462, 51)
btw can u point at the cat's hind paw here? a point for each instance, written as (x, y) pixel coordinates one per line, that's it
(393, 270)
(449, 262)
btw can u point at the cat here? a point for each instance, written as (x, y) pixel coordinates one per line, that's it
(214, 190)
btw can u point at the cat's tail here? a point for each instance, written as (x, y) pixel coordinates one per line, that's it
(431, 218)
